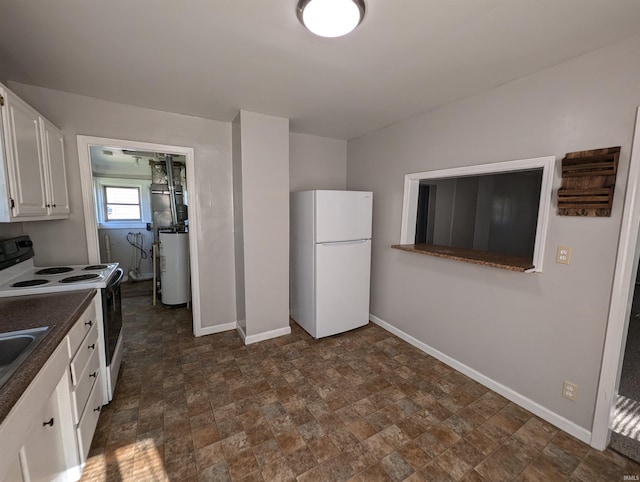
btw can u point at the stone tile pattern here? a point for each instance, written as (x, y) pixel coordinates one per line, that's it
(361, 406)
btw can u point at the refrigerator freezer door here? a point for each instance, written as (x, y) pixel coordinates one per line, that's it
(343, 215)
(342, 286)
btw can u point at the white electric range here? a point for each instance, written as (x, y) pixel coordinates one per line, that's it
(26, 279)
(19, 277)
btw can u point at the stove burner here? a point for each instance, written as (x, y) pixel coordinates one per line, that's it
(96, 266)
(30, 282)
(81, 277)
(55, 270)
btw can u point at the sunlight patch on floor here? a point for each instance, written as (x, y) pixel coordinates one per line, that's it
(627, 420)
(142, 460)
(148, 462)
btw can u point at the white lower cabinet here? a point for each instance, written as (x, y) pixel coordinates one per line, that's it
(43, 453)
(87, 394)
(89, 420)
(47, 435)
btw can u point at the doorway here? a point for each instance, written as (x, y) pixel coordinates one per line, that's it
(125, 185)
(625, 431)
(622, 293)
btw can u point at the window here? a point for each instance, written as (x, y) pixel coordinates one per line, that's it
(495, 214)
(122, 204)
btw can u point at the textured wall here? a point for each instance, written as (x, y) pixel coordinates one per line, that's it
(528, 332)
(65, 241)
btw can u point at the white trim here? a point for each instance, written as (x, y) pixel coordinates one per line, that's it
(123, 225)
(210, 330)
(143, 187)
(568, 426)
(240, 330)
(620, 307)
(88, 201)
(409, 208)
(266, 335)
(412, 184)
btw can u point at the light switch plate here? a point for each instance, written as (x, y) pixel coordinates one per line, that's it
(563, 255)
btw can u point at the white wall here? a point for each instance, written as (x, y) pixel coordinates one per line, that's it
(10, 230)
(263, 162)
(122, 252)
(316, 162)
(65, 242)
(528, 332)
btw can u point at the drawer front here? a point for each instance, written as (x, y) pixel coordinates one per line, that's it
(82, 390)
(88, 346)
(89, 420)
(86, 322)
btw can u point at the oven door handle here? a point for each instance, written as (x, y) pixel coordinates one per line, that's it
(115, 280)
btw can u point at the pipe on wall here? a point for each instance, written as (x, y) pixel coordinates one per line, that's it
(107, 247)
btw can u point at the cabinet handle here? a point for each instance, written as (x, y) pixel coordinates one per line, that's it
(90, 323)
(48, 205)
(53, 205)
(50, 423)
(92, 346)
(94, 374)
(97, 409)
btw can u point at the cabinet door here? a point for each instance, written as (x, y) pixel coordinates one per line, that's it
(43, 455)
(53, 148)
(25, 162)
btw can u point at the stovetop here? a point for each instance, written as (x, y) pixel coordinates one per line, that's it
(19, 276)
(26, 279)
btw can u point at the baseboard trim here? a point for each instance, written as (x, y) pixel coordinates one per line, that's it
(210, 330)
(241, 332)
(544, 413)
(267, 335)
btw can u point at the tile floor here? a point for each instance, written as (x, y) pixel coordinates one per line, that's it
(359, 406)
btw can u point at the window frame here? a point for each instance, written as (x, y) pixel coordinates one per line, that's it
(412, 186)
(106, 204)
(143, 186)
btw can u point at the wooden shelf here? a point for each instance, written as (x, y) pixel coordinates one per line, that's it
(588, 182)
(484, 258)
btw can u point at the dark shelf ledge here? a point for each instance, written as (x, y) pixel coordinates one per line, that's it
(503, 261)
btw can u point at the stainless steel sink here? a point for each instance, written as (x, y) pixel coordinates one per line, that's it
(15, 347)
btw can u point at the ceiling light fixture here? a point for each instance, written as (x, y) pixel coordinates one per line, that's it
(330, 18)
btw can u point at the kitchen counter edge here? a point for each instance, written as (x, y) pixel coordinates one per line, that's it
(58, 311)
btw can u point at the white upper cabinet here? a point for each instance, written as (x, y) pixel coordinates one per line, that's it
(24, 158)
(53, 146)
(33, 174)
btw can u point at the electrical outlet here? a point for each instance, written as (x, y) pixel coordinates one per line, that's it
(563, 255)
(570, 391)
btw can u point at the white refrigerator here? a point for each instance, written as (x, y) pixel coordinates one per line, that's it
(330, 260)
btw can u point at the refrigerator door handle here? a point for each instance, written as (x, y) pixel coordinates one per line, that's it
(337, 243)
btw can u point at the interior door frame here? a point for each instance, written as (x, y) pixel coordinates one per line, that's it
(91, 225)
(621, 296)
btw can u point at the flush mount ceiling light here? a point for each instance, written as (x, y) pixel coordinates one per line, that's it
(330, 18)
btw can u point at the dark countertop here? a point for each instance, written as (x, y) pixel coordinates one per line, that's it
(58, 311)
(513, 263)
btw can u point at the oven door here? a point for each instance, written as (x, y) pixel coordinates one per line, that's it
(112, 313)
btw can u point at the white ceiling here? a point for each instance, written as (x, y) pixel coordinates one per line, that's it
(212, 58)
